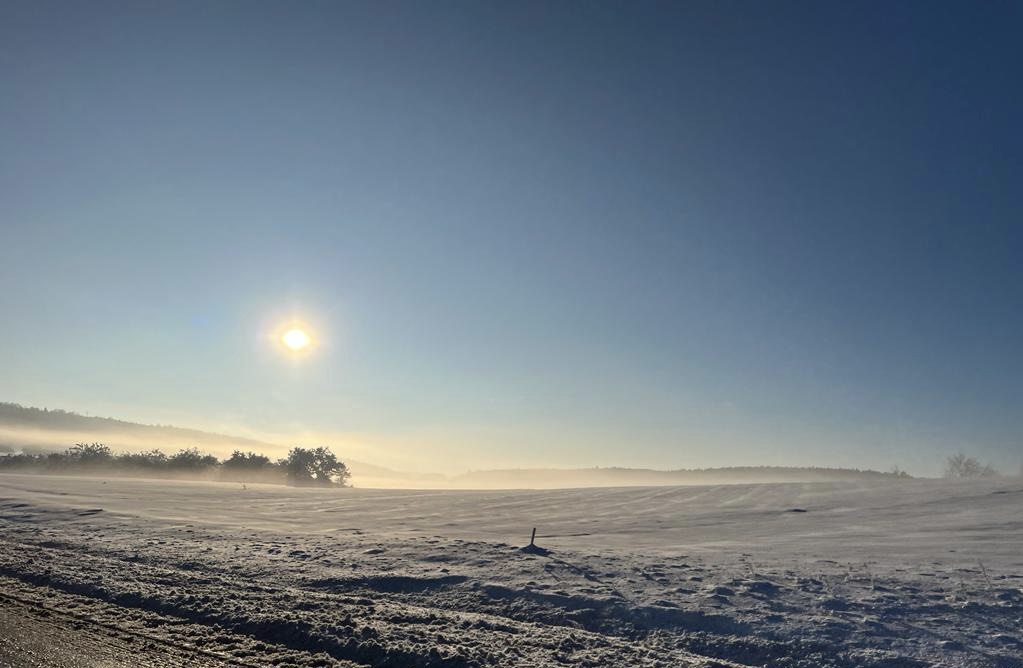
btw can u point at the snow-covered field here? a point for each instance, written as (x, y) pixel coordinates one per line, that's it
(142, 572)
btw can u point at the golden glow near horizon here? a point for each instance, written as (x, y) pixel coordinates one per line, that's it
(296, 339)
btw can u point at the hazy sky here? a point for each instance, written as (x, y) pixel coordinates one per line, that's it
(563, 233)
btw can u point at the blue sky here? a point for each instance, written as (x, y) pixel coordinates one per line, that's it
(641, 234)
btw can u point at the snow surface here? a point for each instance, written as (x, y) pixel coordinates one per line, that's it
(879, 573)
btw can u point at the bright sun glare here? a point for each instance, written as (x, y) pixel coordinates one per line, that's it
(295, 339)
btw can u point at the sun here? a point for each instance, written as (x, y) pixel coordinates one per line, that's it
(296, 340)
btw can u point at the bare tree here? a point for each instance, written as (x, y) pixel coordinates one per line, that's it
(961, 466)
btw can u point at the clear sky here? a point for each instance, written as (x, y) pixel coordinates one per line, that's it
(563, 233)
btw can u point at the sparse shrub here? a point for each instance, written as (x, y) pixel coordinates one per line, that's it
(22, 460)
(251, 467)
(150, 459)
(246, 461)
(191, 459)
(961, 466)
(89, 453)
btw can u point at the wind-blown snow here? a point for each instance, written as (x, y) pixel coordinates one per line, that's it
(885, 573)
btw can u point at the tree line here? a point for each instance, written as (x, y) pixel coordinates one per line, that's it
(302, 466)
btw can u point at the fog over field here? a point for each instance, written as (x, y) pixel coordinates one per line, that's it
(775, 567)
(32, 430)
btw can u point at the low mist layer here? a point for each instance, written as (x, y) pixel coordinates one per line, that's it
(35, 431)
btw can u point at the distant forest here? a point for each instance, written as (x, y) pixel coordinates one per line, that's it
(613, 476)
(46, 426)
